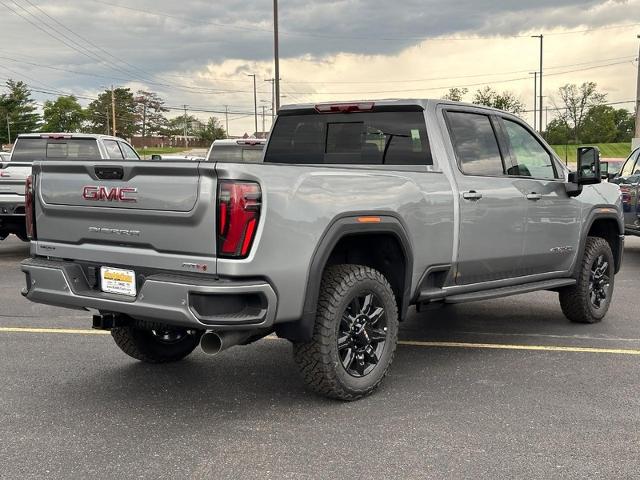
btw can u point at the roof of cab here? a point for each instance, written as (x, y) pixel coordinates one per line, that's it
(424, 103)
(240, 141)
(91, 136)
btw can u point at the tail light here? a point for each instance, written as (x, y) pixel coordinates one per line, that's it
(238, 216)
(29, 208)
(344, 107)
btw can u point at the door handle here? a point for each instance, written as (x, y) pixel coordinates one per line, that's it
(534, 196)
(472, 195)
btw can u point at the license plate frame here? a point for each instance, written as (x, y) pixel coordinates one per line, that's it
(118, 281)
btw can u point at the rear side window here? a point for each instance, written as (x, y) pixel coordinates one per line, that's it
(30, 149)
(129, 153)
(475, 144)
(373, 138)
(113, 150)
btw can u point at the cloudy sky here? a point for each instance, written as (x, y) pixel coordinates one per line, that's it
(200, 53)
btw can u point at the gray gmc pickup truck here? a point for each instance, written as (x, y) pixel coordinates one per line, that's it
(357, 212)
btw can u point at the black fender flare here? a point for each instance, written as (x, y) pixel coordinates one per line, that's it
(342, 226)
(600, 213)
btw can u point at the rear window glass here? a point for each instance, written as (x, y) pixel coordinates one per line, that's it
(30, 149)
(376, 138)
(236, 153)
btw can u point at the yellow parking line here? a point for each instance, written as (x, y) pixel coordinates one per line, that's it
(499, 346)
(73, 331)
(411, 343)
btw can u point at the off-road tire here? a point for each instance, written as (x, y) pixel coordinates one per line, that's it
(575, 300)
(143, 345)
(318, 360)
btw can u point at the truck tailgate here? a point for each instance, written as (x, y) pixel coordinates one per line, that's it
(142, 207)
(12, 178)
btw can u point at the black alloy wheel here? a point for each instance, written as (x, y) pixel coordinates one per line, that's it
(362, 334)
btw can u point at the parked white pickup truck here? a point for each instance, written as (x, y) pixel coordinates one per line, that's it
(47, 147)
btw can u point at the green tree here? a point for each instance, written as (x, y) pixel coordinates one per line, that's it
(212, 131)
(455, 94)
(558, 133)
(175, 126)
(506, 100)
(599, 125)
(99, 113)
(150, 110)
(576, 102)
(18, 111)
(64, 114)
(625, 125)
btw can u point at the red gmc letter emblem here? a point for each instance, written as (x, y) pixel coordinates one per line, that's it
(114, 194)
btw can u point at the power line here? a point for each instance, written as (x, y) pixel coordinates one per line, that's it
(424, 89)
(383, 37)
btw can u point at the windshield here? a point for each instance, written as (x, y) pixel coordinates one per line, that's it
(30, 149)
(376, 138)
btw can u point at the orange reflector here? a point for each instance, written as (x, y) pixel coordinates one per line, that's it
(369, 219)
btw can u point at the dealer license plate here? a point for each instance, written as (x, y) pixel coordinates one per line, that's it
(116, 280)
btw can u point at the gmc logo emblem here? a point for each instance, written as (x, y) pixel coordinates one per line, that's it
(114, 194)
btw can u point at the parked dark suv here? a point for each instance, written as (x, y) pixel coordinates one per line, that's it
(629, 180)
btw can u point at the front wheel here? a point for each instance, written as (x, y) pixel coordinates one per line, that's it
(157, 345)
(589, 299)
(355, 334)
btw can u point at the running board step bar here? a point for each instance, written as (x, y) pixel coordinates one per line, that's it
(508, 291)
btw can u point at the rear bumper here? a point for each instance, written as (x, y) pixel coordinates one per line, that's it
(11, 206)
(178, 300)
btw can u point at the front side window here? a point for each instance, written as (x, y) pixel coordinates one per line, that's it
(530, 157)
(630, 165)
(475, 144)
(113, 150)
(371, 138)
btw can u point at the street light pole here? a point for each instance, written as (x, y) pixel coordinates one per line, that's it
(255, 100)
(535, 99)
(276, 54)
(541, 37)
(226, 119)
(272, 81)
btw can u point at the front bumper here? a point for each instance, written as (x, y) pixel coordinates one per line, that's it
(180, 300)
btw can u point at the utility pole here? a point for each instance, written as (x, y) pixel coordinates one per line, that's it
(276, 54)
(108, 122)
(186, 142)
(9, 129)
(255, 100)
(541, 37)
(113, 109)
(636, 140)
(226, 119)
(263, 113)
(535, 99)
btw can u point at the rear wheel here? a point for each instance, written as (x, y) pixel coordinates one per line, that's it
(157, 345)
(355, 334)
(588, 301)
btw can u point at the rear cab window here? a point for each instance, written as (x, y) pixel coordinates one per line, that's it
(239, 153)
(31, 149)
(378, 136)
(475, 143)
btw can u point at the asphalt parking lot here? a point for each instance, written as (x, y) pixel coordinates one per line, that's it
(500, 389)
